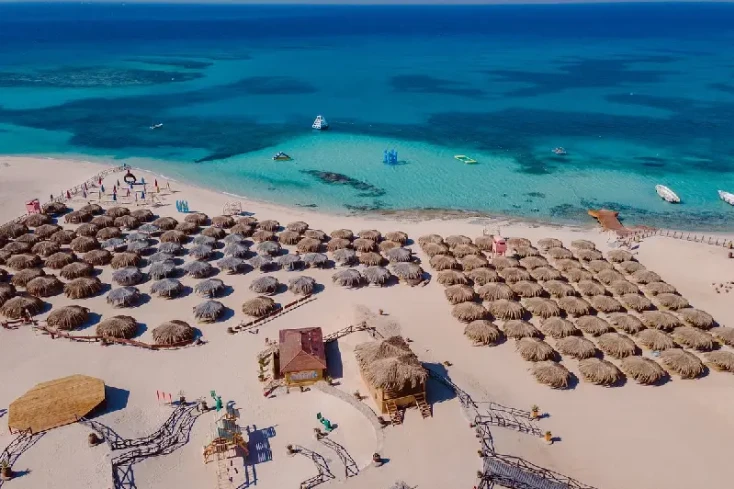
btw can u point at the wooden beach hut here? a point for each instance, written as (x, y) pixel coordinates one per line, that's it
(301, 355)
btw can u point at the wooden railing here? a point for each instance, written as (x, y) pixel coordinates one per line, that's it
(269, 317)
(106, 340)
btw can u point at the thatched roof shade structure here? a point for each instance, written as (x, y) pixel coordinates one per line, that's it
(45, 286)
(187, 228)
(430, 238)
(269, 225)
(262, 236)
(371, 259)
(46, 248)
(123, 297)
(472, 262)
(364, 245)
(238, 250)
(36, 220)
(630, 266)
(484, 243)
(166, 223)
(600, 372)
(502, 262)
(138, 247)
(103, 221)
(411, 273)
(29, 238)
(142, 215)
(13, 230)
(444, 262)
(386, 246)
(342, 234)
(583, 244)
(23, 261)
(527, 252)
(98, 257)
(533, 262)
(394, 377)
(261, 262)
(127, 222)
(653, 339)
(655, 288)
(161, 269)
(241, 230)
(672, 301)
(560, 253)
(434, 249)
(693, 338)
(209, 311)
(462, 250)
(457, 239)
(123, 327)
(576, 347)
(723, 361)
(68, 318)
(557, 328)
(201, 252)
(82, 287)
(15, 307)
(593, 325)
(696, 317)
(556, 288)
(235, 238)
(116, 244)
(525, 288)
(297, 226)
(506, 309)
(89, 230)
(338, 244)
(232, 264)
(160, 256)
(685, 364)
(77, 217)
(127, 276)
(514, 274)
(17, 247)
(167, 288)
(534, 350)
(517, 329)
(149, 229)
(347, 278)
(248, 221)
(308, 245)
(302, 285)
(214, 233)
(552, 374)
(566, 265)
(597, 266)
(483, 276)
(173, 332)
(518, 242)
(617, 345)
(574, 306)
(115, 212)
(60, 259)
(588, 255)
(590, 288)
(291, 262)
(224, 222)
(315, 234)
(626, 322)
(636, 302)
(259, 306)
(345, 257)
(125, 259)
(265, 285)
(604, 303)
(399, 255)
(6, 292)
(609, 276)
(544, 308)
(197, 218)
(619, 256)
(54, 208)
(483, 332)
(469, 311)
(548, 243)
(622, 287)
(289, 237)
(576, 275)
(456, 294)
(493, 291)
(205, 240)
(82, 244)
(108, 233)
(170, 247)
(376, 275)
(723, 334)
(370, 234)
(47, 230)
(397, 236)
(21, 278)
(452, 277)
(645, 277)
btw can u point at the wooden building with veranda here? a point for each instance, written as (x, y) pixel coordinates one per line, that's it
(301, 355)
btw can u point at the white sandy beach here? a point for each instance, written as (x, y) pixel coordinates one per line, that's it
(675, 435)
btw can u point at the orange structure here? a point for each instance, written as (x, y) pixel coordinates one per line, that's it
(609, 221)
(227, 436)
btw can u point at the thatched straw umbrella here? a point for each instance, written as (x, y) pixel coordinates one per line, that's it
(29, 238)
(115, 212)
(533, 262)
(583, 244)
(36, 220)
(590, 288)
(430, 238)
(685, 364)
(18, 247)
(619, 256)
(345, 257)
(47, 230)
(83, 287)
(473, 262)
(517, 329)
(248, 221)
(544, 308)
(483, 332)
(161, 269)
(534, 349)
(315, 234)
(604, 303)
(462, 250)
(456, 294)
(308, 245)
(198, 269)
(215, 233)
(552, 374)
(643, 370)
(289, 237)
(241, 230)
(232, 264)
(89, 230)
(209, 288)
(123, 296)
(16, 307)
(626, 322)
(166, 223)
(617, 345)
(514, 274)
(261, 262)
(567, 264)
(197, 218)
(259, 306)
(82, 244)
(630, 267)
(527, 252)
(502, 262)
(544, 273)
(452, 277)
(483, 276)
(723, 361)
(160, 256)
(302, 285)
(122, 327)
(371, 259)
(338, 244)
(593, 325)
(209, 311)
(167, 288)
(46, 248)
(370, 234)
(13, 230)
(269, 225)
(125, 259)
(188, 228)
(54, 208)
(434, 249)
(672, 301)
(577, 275)
(342, 234)
(103, 221)
(116, 244)
(68, 318)
(444, 262)
(556, 288)
(653, 339)
(45, 286)
(600, 372)
(456, 240)
(108, 233)
(138, 247)
(170, 247)
(6, 292)
(224, 222)
(484, 242)
(518, 242)
(205, 240)
(297, 226)
(235, 238)
(574, 306)
(364, 245)
(127, 222)
(525, 288)
(636, 302)
(77, 217)
(622, 287)
(262, 236)
(548, 243)
(469, 311)
(347, 278)
(588, 255)
(399, 255)
(97, 257)
(376, 275)
(127, 276)
(143, 215)
(609, 276)
(655, 288)
(697, 318)
(693, 338)
(576, 347)
(201, 252)
(290, 262)
(265, 285)
(173, 333)
(22, 278)
(558, 328)
(506, 309)
(238, 250)
(493, 291)
(560, 253)
(597, 266)
(21, 262)
(645, 277)
(410, 273)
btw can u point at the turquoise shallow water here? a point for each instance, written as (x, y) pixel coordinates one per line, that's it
(637, 94)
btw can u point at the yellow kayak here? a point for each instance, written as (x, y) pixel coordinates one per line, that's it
(465, 159)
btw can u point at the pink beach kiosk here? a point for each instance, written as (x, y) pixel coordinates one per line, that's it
(500, 245)
(33, 206)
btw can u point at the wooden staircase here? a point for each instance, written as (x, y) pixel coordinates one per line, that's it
(396, 415)
(425, 409)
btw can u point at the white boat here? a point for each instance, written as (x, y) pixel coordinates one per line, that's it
(666, 194)
(157, 126)
(320, 123)
(727, 197)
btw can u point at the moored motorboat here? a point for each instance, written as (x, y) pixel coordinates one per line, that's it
(157, 126)
(727, 197)
(666, 194)
(465, 159)
(320, 123)
(560, 151)
(280, 156)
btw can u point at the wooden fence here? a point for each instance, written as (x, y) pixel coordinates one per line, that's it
(106, 340)
(269, 317)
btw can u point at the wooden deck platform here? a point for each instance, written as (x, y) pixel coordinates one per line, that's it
(609, 221)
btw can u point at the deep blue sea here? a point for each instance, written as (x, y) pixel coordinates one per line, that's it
(637, 94)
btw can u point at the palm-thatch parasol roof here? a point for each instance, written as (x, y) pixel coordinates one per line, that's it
(108, 233)
(533, 262)
(473, 262)
(166, 223)
(462, 250)
(484, 242)
(232, 264)
(456, 240)
(619, 256)
(723, 361)
(395, 374)
(170, 247)
(68, 318)
(213, 233)
(696, 317)
(239, 250)
(127, 222)
(411, 273)
(315, 234)
(645, 277)
(636, 302)
(15, 307)
(617, 345)
(518, 242)
(483, 332)
(583, 244)
(559, 253)
(45, 231)
(643, 370)
(77, 217)
(342, 234)
(514, 274)
(248, 221)
(655, 288)
(209, 288)
(224, 222)
(597, 266)
(103, 221)
(262, 236)
(60, 259)
(576, 347)
(22, 278)
(588, 255)
(444, 262)
(527, 252)
(269, 225)
(197, 218)
(376, 275)
(469, 311)
(364, 245)
(600, 372)
(723, 334)
(127, 276)
(622, 287)
(534, 349)
(115, 212)
(54, 208)
(302, 285)
(98, 257)
(297, 226)
(544, 308)
(672, 301)
(626, 322)
(13, 230)
(483, 276)
(684, 363)
(373, 351)
(45, 286)
(308, 245)
(506, 309)
(434, 249)
(123, 327)
(235, 238)
(567, 264)
(138, 246)
(371, 259)
(36, 220)
(345, 257)
(17, 247)
(604, 303)
(370, 234)
(577, 275)
(452, 277)
(338, 244)
(46, 248)
(609, 276)
(590, 288)
(173, 333)
(82, 244)
(574, 306)
(137, 237)
(290, 262)
(160, 256)
(6, 292)
(82, 287)
(545, 273)
(201, 252)
(89, 230)
(259, 306)
(493, 291)
(552, 374)
(630, 267)
(26, 260)
(456, 294)
(525, 288)
(161, 269)
(557, 328)
(399, 255)
(653, 339)
(29, 238)
(517, 329)
(242, 230)
(289, 237)
(548, 243)
(556, 288)
(397, 236)
(142, 215)
(167, 288)
(125, 259)
(261, 262)
(265, 285)
(593, 325)
(188, 228)
(347, 278)
(209, 311)
(693, 338)
(116, 244)
(502, 262)
(430, 238)
(386, 246)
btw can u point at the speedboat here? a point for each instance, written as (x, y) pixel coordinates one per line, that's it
(320, 123)
(280, 156)
(727, 197)
(560, 151)
(465, 159)
(667, 195)
(157, 126)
